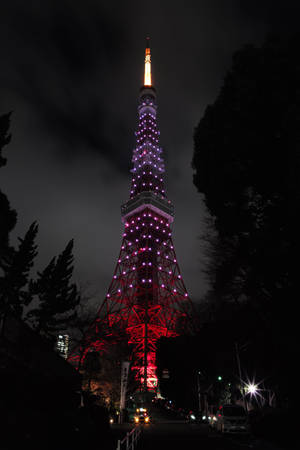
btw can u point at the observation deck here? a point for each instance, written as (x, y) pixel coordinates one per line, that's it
(148, 199)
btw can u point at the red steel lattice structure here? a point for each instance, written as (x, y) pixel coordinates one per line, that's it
(147, 298)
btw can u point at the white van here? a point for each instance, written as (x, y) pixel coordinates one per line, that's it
(231, 419)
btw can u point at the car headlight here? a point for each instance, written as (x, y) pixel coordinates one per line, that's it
(146, 419)
(136, 419)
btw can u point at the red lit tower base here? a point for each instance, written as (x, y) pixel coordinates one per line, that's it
(147, 298)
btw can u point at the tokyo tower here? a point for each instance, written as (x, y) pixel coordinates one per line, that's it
(147, 298)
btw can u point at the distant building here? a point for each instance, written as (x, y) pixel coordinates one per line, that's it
(62, 345)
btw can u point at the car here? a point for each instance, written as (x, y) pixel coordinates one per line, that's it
(141, 417)
(230, 419)
(193, 417)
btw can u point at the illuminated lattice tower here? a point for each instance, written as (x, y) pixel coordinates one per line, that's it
(147, 298)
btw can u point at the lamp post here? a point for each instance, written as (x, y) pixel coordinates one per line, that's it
(240, 375)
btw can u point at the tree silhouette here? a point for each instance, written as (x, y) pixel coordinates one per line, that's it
(57, 295)
(16, 268)
(7, 215)
(246, 161)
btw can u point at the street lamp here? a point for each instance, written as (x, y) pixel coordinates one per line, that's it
(237, 353)
(251, 389)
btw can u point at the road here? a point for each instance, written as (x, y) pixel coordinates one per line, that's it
(183, 436)
(170, 434)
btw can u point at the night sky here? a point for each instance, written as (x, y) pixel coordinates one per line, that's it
(71, 72)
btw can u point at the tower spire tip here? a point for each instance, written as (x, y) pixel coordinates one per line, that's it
(147, 74)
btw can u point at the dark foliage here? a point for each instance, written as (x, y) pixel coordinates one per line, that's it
(57, 295)
(246, 162)
(16, 268)
(8, 216)
(5, 137)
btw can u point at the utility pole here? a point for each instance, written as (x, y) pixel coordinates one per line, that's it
(240, 375)
(199, 392)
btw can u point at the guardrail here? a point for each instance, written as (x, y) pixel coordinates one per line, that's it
(131, 439)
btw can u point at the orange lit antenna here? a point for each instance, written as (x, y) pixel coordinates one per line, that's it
(147, 76)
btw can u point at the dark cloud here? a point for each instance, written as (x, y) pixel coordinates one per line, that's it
(71, 71)
(275, 15)
(57, 60)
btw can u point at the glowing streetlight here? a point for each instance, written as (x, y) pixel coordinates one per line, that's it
(251, 389)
